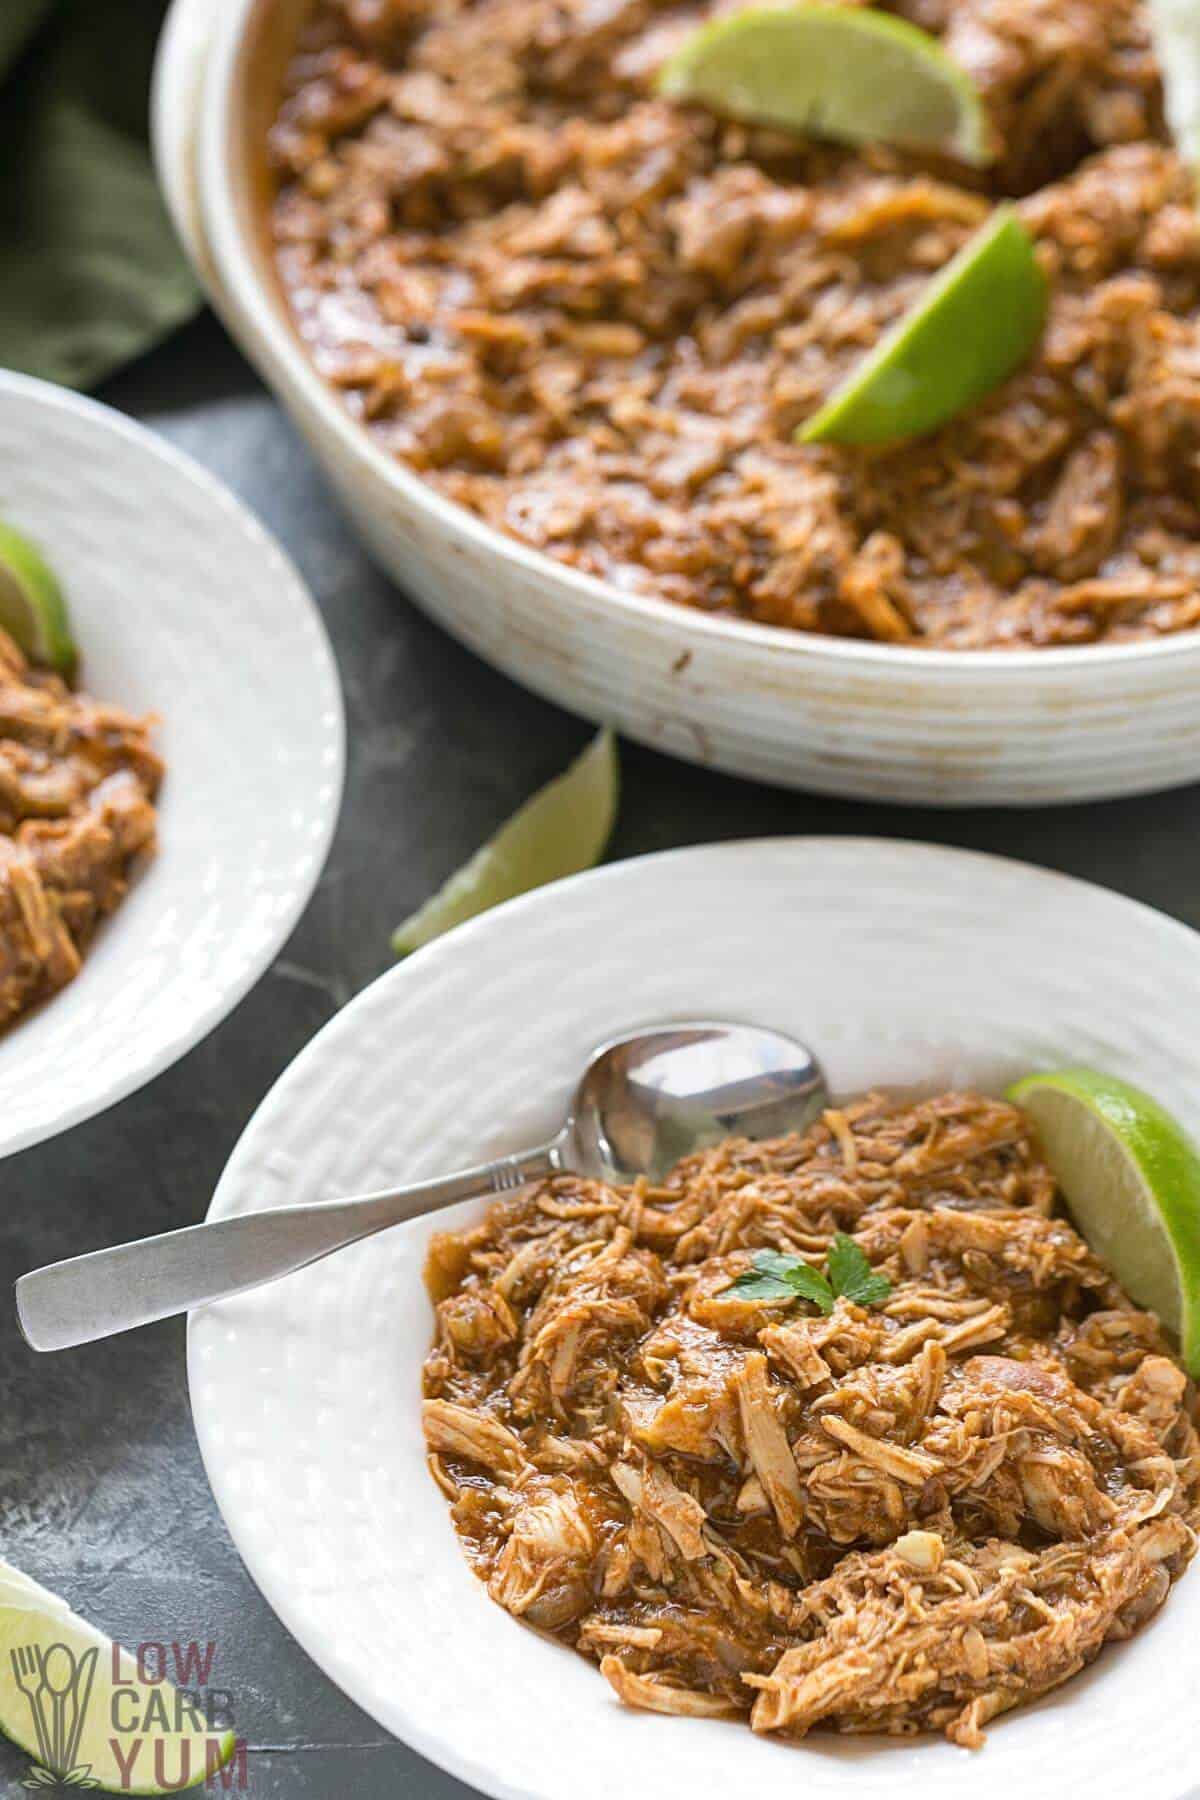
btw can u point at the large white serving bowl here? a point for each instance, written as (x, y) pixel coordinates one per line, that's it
(838, 716)
(898, 963)
(183, 607)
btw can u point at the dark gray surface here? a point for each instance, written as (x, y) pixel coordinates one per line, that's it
(101, 1490)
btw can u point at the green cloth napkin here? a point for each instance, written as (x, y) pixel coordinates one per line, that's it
(90, 270)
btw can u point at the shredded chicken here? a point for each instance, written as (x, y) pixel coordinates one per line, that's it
(906, 1517)
(77, 787)
(596, 319)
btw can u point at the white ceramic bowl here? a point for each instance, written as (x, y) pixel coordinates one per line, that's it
(838, 716)
(184, 607)
(898, 963)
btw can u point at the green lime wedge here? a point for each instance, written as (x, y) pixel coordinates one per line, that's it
(560, 830)
(976, 322)
(1131, 1178)
(128, 1736)
(19, 1590)
(32, 608)
(837, 72)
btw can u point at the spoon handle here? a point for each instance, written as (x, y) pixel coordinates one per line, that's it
(95, 1296)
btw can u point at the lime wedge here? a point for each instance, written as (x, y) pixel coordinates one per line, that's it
(1131, 1178)
(73, 1701)
(32, 608)
(837, 72)
(976, 322)
(17, 1589)
(562, 829)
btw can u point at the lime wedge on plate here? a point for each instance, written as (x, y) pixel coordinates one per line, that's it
(1131, 1179)
(976, 322)
(127, 1736)
(32, 609)
(561, 830)
(837, 72)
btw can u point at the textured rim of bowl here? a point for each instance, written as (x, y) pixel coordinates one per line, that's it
(276, 346)
(193, 1031)
(413, 1731)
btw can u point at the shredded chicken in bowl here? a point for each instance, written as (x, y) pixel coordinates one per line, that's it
(905, 1516)
(596, 318)
(78, 784)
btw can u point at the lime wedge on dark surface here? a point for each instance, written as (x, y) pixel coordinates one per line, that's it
(559, 831)
(1130, 1176)
(855, 76)
(32, 608)
(148, 1743)
(976, 322)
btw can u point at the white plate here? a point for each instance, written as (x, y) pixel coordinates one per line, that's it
(898, 963)
(865, 720)
(184, 607)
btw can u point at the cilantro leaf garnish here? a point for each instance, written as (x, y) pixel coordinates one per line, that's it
(852, 1275)
(775, 1276)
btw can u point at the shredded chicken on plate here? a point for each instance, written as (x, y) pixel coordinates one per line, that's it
(78, 781)
(905, 1517)
(596, 318)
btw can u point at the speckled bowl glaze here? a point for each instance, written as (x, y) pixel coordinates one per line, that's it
(838, 716)
(899, 964)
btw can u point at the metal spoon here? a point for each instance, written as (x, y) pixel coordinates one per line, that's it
(645, 1100)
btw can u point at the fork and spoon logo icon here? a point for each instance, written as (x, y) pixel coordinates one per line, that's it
(58, 1685)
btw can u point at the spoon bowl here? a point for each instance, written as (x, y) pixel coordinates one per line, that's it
(646, 1100)
(58, 1669)
(652, 1097)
